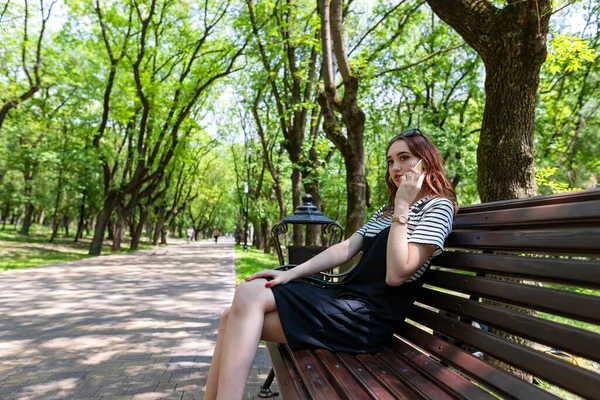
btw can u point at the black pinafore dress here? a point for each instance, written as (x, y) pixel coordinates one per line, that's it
(358, 316)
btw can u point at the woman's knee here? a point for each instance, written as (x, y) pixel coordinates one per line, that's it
(248, 294)
(225, 315)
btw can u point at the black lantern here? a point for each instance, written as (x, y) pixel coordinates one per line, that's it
(305, 214)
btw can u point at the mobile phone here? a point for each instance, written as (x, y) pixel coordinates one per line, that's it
(419, 167)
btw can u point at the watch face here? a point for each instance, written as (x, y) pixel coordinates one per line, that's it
(402, 219)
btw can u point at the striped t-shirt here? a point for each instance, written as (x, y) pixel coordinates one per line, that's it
(429, 222)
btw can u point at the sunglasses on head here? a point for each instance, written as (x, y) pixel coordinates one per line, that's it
(412, 132)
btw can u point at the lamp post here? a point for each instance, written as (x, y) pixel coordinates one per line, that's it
(247, 191)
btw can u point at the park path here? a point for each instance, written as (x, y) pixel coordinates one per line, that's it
(134, 326)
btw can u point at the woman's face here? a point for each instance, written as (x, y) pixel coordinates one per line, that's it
(399, 159)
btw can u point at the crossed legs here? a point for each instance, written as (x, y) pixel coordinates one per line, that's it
(252, 316)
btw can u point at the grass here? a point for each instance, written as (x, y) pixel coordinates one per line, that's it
(18, 251)
(251, 261)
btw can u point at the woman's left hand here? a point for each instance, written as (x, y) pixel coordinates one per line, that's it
(410, 186)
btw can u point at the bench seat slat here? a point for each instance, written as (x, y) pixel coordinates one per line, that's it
(568, 376)
(565, 240)
(387, 377)
(282, 363)
(570, 272)
(343, 377)
(553, 213)
(365, 377)
(501, 382)
(411, 377)
(573, 340)
(313, 376)
(560, 302)
(581, 197)
(452, 382)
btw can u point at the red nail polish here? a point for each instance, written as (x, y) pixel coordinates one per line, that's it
(268, 284)
(246, 279)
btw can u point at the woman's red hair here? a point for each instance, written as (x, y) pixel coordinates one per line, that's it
(435, 184)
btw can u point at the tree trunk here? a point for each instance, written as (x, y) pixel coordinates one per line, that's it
(164, 233)
(351, 149)
(149, 228)
(137, 234)
(6, 211)
(266, 235)
(27, 218)
(81, 217)
(42, 217)
(110, 225)
(119, 230)
(355, 188)
(313, 232)
(505, 155)
(258, 237)
(158, 229)
(110, 202)
(298, 234)
(66, 222)
(98, 239)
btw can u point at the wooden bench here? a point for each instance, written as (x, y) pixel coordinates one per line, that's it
(551, 239)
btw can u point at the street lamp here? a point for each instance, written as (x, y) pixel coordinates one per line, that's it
(247, 191)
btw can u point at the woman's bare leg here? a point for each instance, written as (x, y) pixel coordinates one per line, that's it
(213, 373)
(240, 342)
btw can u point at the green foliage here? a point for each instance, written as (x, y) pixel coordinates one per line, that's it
(568, 53)
(542, 178)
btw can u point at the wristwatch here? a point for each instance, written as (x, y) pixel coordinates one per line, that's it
(401, 219)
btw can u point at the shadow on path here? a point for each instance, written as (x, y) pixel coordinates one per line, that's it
(137, 325)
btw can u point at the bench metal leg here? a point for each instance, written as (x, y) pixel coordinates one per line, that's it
(265, 391)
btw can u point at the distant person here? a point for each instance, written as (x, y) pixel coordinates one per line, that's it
(190, 234)
(216, 234)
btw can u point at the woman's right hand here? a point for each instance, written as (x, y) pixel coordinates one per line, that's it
(277, 277)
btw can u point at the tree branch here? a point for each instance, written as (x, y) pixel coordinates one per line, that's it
(421, 61)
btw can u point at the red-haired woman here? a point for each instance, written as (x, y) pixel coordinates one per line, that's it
(361, 314)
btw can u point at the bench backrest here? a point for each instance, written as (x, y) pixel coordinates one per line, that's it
(554, 240)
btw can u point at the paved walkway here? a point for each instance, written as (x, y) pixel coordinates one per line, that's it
(136, 326)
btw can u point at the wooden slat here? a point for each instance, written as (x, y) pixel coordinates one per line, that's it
(289, 386)
(460, 387)
(343, 379)
(564, 214)
(501, 382)
(574, 379)
(560, 302)
(387, 377)
(411, 377)
(573, 340)
(312, 376)
(568, 240)
(365, 377)
(570, 272)
(581, 196)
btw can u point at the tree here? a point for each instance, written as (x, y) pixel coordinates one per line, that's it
(511, 41)
(34, 83)
(350, 145)
(289, 56)
(161, 63)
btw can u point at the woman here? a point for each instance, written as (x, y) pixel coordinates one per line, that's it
(361, 314)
